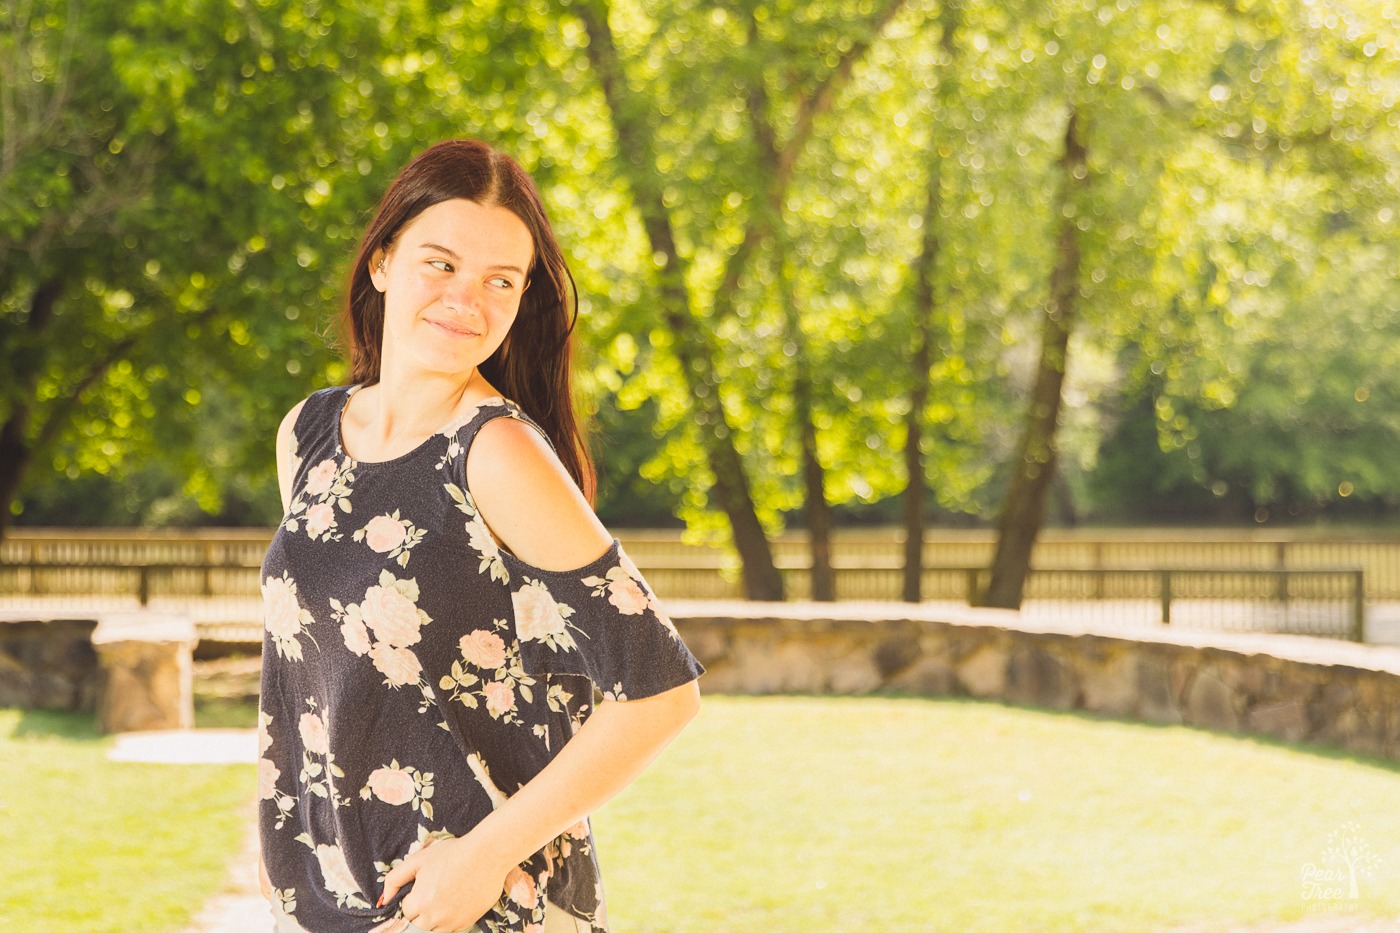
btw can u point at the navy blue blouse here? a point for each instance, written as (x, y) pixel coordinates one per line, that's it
(415, 675)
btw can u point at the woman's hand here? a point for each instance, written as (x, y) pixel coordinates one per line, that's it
(455, 882)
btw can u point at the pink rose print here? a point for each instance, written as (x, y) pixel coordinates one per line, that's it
(313, 734)
(520, 887)
(336, 871)
(479, 537)
(319, 519)
(383, 533)
(534, 928)
(392, 785)
(499, 698)
(283, 616)
(625, 593)
(579, 830)
(355, 635)
(281, 611)
(399, 665)
(539, 618)
(320, 477)
(661, 616)
(264, 735)
(392, 616)
(268, 774)
(484, 649)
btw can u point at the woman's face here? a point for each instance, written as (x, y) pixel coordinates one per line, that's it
(452, 281)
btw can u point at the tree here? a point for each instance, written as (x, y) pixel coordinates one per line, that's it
(1033, 468)
(181, 185)
(657, 165)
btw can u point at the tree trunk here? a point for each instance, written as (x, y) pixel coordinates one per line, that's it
(925, 312)
(921, 359)
(15, 458)
(1034, 470)
(822, 576)
(818, 513)
(637, 163)
(16, 450)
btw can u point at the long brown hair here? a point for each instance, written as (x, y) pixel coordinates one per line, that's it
(531, 366)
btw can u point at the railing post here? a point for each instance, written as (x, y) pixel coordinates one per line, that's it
(1166, 588)
(1358, 616)
(143, 585)
(972, 586)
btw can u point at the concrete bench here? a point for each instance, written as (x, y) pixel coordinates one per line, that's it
(145, 671)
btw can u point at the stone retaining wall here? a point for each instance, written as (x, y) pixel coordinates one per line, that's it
(48, 664)
(1289, 687)
(133, 669)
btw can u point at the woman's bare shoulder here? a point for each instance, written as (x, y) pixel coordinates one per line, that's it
(286, 456)
(289, 421)
(529, 501)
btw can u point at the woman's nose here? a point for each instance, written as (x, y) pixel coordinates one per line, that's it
(460, 296)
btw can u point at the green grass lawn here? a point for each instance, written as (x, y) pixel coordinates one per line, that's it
(92, 845)
(780, 814)
(808, 814)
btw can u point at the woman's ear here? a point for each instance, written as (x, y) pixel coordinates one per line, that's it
(377, 275)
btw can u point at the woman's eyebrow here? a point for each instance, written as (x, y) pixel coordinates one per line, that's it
(443, 249)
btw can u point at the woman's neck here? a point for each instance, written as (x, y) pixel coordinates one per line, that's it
(403, 409)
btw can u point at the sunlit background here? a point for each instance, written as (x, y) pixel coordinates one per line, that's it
(855, 275)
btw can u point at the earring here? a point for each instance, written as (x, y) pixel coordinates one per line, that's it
(381, 265)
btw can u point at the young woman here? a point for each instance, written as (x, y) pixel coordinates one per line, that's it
(441, 604)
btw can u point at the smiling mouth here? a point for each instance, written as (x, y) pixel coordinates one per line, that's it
(455, 330)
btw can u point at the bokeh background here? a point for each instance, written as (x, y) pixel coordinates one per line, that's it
(840, 262)
(917, 265)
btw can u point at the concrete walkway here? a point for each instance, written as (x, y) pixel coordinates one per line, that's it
(239, 908)
(188, 747)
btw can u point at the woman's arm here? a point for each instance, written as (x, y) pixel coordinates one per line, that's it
(532, 505)
(456, 881)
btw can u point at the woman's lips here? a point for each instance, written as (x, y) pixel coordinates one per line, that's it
(455, 330)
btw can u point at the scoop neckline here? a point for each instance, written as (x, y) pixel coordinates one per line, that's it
(345, 451)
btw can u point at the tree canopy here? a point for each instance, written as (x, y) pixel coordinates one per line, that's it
(804, 234)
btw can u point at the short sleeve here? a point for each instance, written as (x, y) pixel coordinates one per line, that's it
(601, 622)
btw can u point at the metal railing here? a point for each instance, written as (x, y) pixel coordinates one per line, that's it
(876, 551)
(1329, 602)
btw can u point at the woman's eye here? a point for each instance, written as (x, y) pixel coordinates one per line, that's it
(442, 265)
(501, 282)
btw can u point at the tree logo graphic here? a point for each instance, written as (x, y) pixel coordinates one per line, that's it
(1347, 859)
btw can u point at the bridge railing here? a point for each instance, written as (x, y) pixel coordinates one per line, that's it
(1329, 602)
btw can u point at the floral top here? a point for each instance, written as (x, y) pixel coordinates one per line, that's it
(415, 675)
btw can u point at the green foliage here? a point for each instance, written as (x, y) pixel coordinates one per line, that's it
(189, 178)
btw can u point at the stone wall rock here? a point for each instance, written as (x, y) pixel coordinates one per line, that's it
(137, 671)
(1290, 688)
(145, 672)
(48, 664)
